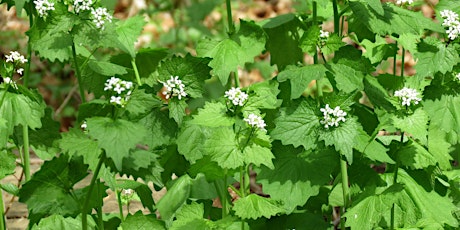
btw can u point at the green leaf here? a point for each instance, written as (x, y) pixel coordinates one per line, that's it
(7, 164)
(148, 59)
(142, 190)
(235, 51)
(19, 109)
(439, 147)
(415, 156)
(297, 125)
(76, 143)
(128, 32)
(142, 222)
(117, 137)
(141, 102)
(254, 206)
(377, 6)
(258, 155)
(342, 137)
(415, 124)
(52, 184)
(448, 5)
(144, 164)
(192, 71)
(175, 197)
(223, 148)
(352, 57)
(377, 94)
(309, 40)
(64, 223)
(43, 139)
(161, 130)
(409, 42)
(190, 142)
(264, 96)
(332, 44)
(177, 110)
(300, 77)
(379, 50)
(191, 216)
(395, 20)
(213, 114)
(347, 79)
(434, 56)
(106, 68)
(371, 148)
(283, 40)
(444, 113)
(296, 178)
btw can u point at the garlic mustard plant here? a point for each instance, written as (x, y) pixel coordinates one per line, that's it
(82, 5)
(236, 96)
(408, 96)
(323, 34)
(255, 121)
(120, 89)
(43, 6)
(400, 2)
(451, 22)
(100, 17)
(9, 81)
(16, 58)
(174, 88)
(332, 117)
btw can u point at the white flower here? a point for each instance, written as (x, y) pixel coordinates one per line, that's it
(174, 88)
(236, 96)
(458, 76)
(81, 5)
(408, 95)
(19, 71)
(451, 22)
(100, 17)
(255, 121)
(9, 81)
(332, 117)
(121, 88)
(400, 2)
(15, 56)
(323, 34)
(84, 125)
(127, 192)
(43, 6)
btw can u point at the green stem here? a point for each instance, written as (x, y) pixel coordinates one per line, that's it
(136, 71)
(395, 180)
(84, 218)
(237, 79)
(120, 206)
(345, 189)
(100, 221)
(242, 182)
(25, 79)
(394, 60)
(2, 210)
(231, 26)
(77, 70)
(315, 22)
(336, 17)
(221, 188)
(26, 163)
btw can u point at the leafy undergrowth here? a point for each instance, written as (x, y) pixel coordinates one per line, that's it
(184, 122)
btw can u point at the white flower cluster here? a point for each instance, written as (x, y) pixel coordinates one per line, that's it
(332, 117)
(323, 34)
(408, 95)
(15, 57)
(100, 16)
(174, 88)
(451, 22)
(81, 5)
(43, 6)
(255, 121)
(236, 96)
(400, 2)
(122, 88)
(84, 125)
(9, 81)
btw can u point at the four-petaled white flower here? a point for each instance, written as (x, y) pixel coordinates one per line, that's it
(323, 34)
(236, 96)
(15, 56)
(121, 88)
(81, 5)
(408, 95)
(100, 17)
(174, 88)
(457, 76)
(255, 121)
(400, 2)
(10, 82)
(332, 117)
(84, 125)
(451, 22)
(20, 71)
(43, 6)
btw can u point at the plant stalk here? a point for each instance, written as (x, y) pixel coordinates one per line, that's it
(395, 180)
(345, 189)
(84, 218)
(120, 206)
(100, 221)
(237, 79)
(77, 71)
(394, 60)
(2, 210)
(231, 26)
(136, 71)
(402, 61)
(336, 17)
(26, 163)
(315, 22)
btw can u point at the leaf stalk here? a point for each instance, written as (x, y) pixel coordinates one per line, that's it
(345, 189)
(84, 218)
(77, 71)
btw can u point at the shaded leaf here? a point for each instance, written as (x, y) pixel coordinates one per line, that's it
(254, 206)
